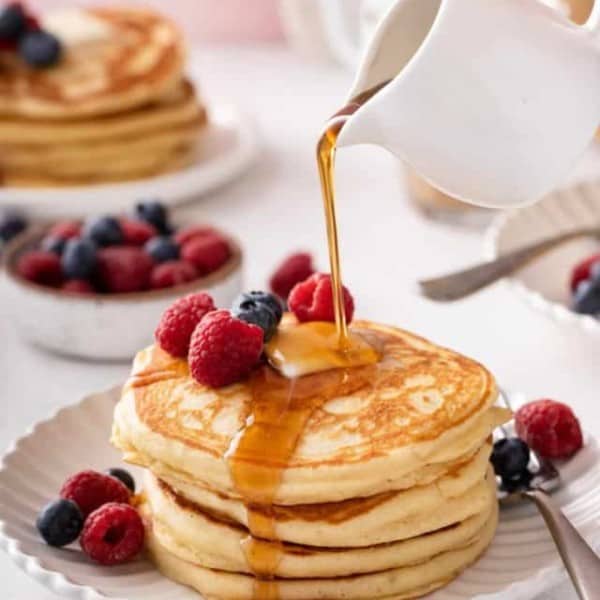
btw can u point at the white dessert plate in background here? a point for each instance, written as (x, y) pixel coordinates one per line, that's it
(520, 564)
(544, 283)
(227, 147)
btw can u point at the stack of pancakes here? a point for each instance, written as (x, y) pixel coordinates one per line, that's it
(362, 483)
(115, 107)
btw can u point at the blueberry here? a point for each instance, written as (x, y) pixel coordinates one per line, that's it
(587, 297)
(12, 22)
(123, 476)
(162, 248)
(11, 224)
(153, 212)
(264, 298)
(257, 314)
(510, 457)
(521, 482)
(595, 271)
(79, 258)
(60, 522)
(104, 231)
(53, 244)
(40, 49)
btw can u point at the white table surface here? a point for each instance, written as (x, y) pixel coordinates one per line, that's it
(276, 208)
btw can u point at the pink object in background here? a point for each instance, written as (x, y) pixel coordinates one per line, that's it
(203, 20)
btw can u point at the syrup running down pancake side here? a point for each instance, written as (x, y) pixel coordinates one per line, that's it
(282, 406)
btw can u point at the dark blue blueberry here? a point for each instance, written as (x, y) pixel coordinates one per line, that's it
(11, 224)
(162, 248)
(153, 212)
(12, 22)
(39, 49)
(510, 457)
(249, 299)
(595, 271)
(53, 244)
(79, 258)
(521, 482)
(587, 297)
(123, 476)
(258, 314)
(104, 231)
(60, 522)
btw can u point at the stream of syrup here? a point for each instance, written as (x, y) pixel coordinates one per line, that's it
(319, 357)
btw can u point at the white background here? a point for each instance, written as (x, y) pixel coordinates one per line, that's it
(386, 247)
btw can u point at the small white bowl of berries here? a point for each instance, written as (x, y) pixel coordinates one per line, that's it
(93, 289)
(564, 283)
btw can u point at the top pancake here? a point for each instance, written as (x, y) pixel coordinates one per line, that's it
(373, 426)
(113, 60)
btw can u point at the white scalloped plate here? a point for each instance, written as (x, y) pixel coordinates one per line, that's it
(544, 284)
(520, 564)
(227, 147)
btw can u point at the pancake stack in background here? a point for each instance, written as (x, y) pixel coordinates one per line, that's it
(370, 482)
(116, 106)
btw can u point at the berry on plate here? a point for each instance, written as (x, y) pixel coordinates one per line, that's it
(171, 273)
(179, 321)
(259, 308)
(550, 428)
(206, 253)
(123, 476)
(162, 248)
(65, 230)
(79, 258)
(582, 269)
(586, 300)
(104, 231)
(153, 212)
(136, 233)
(40, 267)
(294, 269)
(77, 286)
(312, 300)
(53, 244)
(510, 457)
(123, 269)
(113, 534)
(13, 22)
(40, 49)
(90, 490)
(224, 349)
(11, 224)
(60, 522)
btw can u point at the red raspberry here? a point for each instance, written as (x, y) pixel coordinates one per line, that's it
(179, 321)
(295, 269)
(136, 233)
(113, 534)
(77, 286)
(312, 300)
(581, 271)
(40, 267)
(206, 253)
(171, 273)
(90, 490)
(224, 349)
(65, 230)
(550, 428)
(188, 233)
(123, 269)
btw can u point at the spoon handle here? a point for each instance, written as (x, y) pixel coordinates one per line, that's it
(463, 283)
(581, 562)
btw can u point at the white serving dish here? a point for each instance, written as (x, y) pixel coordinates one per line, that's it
(101, 326)
(227, 147)
(520, 564)
(544, 283)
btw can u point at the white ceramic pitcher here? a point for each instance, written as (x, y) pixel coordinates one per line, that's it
(491, 101)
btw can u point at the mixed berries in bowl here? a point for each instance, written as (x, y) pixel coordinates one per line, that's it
(94, 288)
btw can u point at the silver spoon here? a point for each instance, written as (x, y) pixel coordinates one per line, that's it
(463, 283)
(581, 562)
